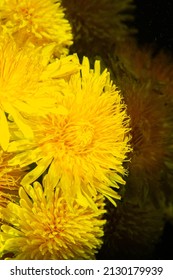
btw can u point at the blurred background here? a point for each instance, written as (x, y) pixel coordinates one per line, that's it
(154, 20)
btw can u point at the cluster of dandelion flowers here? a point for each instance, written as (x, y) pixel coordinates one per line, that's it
(25, 75)
(42, 226)
(85, 146)
(37, 22)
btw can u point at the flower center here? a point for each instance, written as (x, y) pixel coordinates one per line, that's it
(26, 12)
(79, 136)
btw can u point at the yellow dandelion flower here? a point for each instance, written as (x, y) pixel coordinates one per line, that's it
(22, 90)
(38, 22)
(84, 147)
(42, 226)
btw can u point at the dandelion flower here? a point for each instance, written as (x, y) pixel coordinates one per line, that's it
(85, 147)
(22, 90)
(42, 226)
(37, 22)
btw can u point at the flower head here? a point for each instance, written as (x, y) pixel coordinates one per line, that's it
(42, 226)
(86, 145)
(25, 75)
(38, 22)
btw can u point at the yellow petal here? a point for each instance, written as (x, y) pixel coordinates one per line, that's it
(5, 134)
(85, 200)
(19, 120)
(47, 52)
(61, 68)
(36, 172)
(17, 146)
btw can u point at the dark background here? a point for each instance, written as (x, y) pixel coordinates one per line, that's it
(154, 21)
